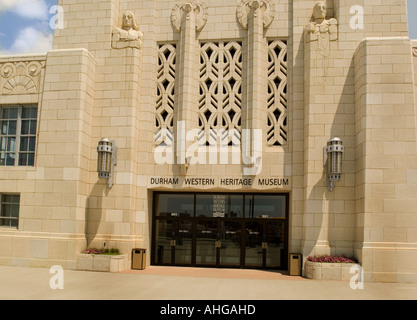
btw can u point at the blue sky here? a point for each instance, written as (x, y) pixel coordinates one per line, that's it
(412, 18)
(25, 25)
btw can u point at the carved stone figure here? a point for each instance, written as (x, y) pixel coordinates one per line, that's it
(128, 36)
(319, 34)
(321, 29)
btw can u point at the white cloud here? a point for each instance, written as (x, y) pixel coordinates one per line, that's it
(34, 34)
(32, 9)
(7, 4)
(31, 40)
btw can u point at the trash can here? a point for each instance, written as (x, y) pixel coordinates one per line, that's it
(295, 264)
(138, 259)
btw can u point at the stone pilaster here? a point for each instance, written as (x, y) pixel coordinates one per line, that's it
(386, 159)
(255, 16)
(320, 44)
(188, 18)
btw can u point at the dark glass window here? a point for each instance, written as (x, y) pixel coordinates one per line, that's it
(9, 210)
(175, 205)
(265, 206)
(9, 121)
(219, 205)
(18, 135)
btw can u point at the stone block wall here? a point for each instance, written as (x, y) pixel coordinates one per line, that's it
(356, 82)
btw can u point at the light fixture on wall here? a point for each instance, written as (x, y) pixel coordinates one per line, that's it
(107, 159)
(333, 161)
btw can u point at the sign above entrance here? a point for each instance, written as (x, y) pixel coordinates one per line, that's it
(217, 182)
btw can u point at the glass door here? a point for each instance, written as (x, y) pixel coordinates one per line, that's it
(254, 252)
(220, 230)
(206, 240)
(265, 244)
(173, 242)
(164, 240)
(229, 243)
(275, 248)
(183, 242)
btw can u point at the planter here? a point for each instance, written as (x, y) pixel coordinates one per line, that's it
(329, 271)
(102, 263)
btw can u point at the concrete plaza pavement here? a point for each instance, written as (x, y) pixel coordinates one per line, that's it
(172, 283)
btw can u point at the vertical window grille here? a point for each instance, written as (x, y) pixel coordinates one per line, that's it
(277, 93)
(220, 101)
(165, 97)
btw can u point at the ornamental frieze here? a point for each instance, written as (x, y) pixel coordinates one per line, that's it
(20, 77)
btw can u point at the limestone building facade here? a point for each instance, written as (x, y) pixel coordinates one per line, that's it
(221, 112)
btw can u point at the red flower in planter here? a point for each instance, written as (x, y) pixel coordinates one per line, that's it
(331, 259)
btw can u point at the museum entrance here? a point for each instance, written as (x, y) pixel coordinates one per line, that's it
(220, 230)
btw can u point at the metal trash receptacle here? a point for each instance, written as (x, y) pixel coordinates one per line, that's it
(138, 259)
(295, 264)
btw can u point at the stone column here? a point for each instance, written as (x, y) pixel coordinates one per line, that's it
(255, 16)
(320, 37)
(188, 18)
(116, 117)
(386, 179)
(64, 153)
(256, 55)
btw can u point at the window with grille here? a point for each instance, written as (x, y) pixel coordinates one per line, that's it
(165, 97)
(277, 127)
(220, 92)
(220, 99)
(9, 210)
(18, 135)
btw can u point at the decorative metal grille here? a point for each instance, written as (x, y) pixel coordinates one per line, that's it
(165, 97)
(220, 99)
(277, 93)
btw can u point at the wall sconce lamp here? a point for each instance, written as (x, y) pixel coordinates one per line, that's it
(333, 161)
(107, 159)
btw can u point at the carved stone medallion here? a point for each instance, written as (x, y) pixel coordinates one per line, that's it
(186, 7)
(245, 6)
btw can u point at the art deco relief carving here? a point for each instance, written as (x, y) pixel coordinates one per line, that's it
(128, 36)
(319, 33)
(186, 7)
(321, 29)
(267, 7)
(415, 51)
(21, 77)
